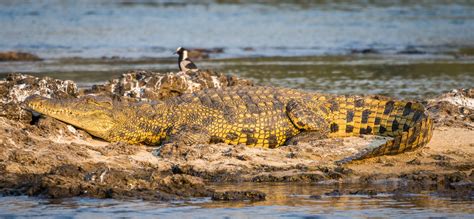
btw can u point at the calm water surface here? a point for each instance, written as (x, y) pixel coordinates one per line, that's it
(89, 28)
(283, 201)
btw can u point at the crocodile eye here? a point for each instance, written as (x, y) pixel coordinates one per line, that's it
(99, 101)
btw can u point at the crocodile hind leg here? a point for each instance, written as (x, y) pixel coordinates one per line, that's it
(188, 135)
(185, 135)
(311, 119)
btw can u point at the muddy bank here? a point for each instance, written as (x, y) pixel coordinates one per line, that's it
(41, 156)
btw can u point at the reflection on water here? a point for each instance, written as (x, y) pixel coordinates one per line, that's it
(283, 200)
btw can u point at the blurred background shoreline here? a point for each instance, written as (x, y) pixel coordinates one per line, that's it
(134, 29)
(407, 49)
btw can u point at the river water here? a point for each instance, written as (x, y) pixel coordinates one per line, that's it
(284, 200)
(406, 49)
(152, 28)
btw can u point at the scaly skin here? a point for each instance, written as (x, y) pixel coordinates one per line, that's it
(255, 116)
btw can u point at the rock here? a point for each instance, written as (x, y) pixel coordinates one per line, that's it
(293, 177)
(415, 161)
(411, 50)
(18, 56)
(455, 108)
(184, 186)
(202, 53)
(440, 157)
(146, 85)
(364, 51)
(239, 196)
(316, 197)
(15, 88)
(369, 192)
(333, 193)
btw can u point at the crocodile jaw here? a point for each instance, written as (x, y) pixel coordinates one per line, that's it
(93, 116)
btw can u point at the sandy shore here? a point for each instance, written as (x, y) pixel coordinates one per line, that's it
(45, 157)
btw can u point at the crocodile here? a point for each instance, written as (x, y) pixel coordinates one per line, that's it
(256, 116)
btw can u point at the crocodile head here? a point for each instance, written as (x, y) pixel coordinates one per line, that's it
(93, 114)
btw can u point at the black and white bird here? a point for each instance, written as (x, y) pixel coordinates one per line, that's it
(185, 64)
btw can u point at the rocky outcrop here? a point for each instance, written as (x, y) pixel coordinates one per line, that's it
(455, 108)
(15, 88)
(146, 85)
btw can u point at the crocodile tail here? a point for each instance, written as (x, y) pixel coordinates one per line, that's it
(405, 121)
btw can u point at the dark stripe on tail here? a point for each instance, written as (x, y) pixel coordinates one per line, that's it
(405, 121)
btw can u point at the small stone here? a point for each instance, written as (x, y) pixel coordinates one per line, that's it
(241, 157)
(175, 169)
(291, 155)
(335, 192)
(364, 192)
(440, 157)
(239, 196)
(18, 56)
(316, 197)
(414, 162)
